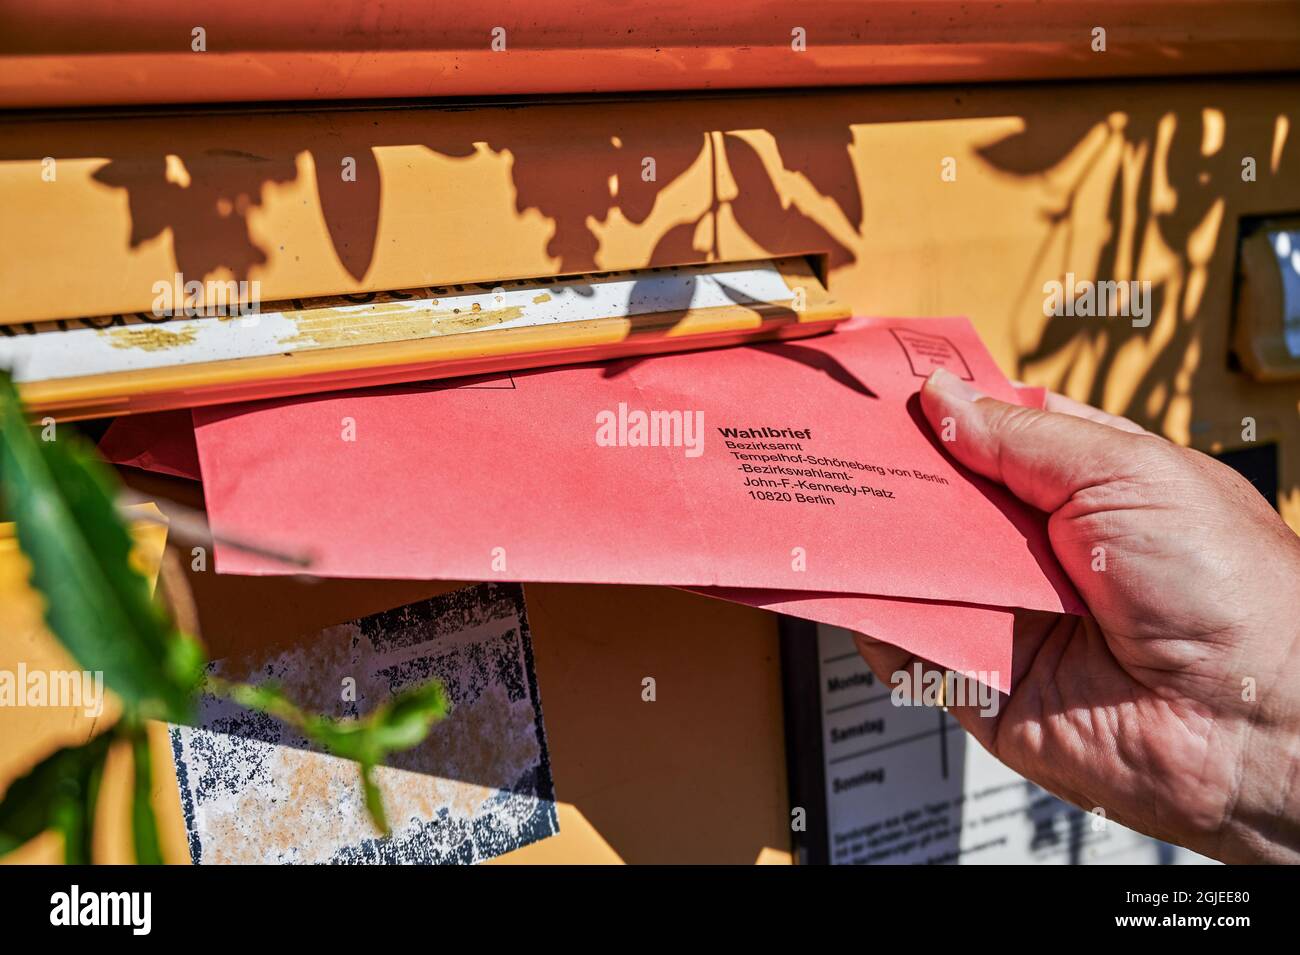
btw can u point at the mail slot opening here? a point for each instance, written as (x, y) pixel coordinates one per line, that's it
(125, 363)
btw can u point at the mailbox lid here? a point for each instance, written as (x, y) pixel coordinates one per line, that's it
(96, 52)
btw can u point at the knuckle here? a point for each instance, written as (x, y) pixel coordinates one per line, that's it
(1008, 420)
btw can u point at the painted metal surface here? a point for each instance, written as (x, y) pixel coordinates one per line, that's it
(99, 52)
(921, 201)
(1143, 181)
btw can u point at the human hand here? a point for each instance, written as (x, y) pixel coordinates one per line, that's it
(1176, 708)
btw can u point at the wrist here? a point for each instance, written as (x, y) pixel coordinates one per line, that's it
(1263, 824)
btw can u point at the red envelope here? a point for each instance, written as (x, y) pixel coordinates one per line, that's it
(784, 466)
(970, 639)
(162, 441)
(963, 637)
(957, 636)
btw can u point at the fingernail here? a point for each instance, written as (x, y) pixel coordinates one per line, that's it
(941, 379)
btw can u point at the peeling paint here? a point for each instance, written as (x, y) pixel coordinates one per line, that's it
(150, 337)
(389, 322)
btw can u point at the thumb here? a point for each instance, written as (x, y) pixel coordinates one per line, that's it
(1042, 457)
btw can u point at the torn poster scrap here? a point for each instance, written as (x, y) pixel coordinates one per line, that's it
(255, 791)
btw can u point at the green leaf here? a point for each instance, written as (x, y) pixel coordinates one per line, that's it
(62, 500)
(374, 798)
(398, 724)
(59, 793)
(69, 818)
(93, 779)
(143, 826)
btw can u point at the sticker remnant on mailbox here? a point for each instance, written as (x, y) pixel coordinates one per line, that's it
(256, 791)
